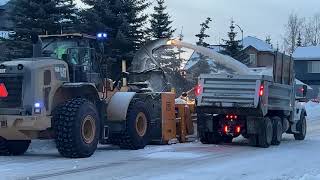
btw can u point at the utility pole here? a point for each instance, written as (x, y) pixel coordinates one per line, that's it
(180, 39)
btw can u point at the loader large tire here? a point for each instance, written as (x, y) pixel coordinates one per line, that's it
(14, 148)
(277, 131)
(266, 133)
(302, 128)
(137, 127)
(76, 126)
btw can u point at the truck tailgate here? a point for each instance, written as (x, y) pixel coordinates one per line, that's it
(230, 90)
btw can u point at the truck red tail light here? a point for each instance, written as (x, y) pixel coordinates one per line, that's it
(3, 91)
(198, 90)
(226, 129)
(238, 129)
(261, 91)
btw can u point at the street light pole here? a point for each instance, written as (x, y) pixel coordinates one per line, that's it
(241, 32)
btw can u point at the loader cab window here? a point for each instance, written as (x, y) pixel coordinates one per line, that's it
(82, 57)
(55, 48)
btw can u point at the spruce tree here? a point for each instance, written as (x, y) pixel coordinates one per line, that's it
(41, 17)
(202, 62)
(268, 39)
(299, 40)
(160, 22)
(124, 22)
(234, 47)
(202, 35)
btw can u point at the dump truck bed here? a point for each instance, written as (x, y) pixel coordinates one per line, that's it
(249, 94)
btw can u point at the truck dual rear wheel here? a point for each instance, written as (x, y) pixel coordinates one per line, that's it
(137, 127)
(302, 128)
(14, 148)
(277, 131)
(76, 126)
(266, 133)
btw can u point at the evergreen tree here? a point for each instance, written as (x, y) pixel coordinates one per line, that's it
(234, 47)
(299, 40)
(268, 39)
(202, 35)
(123, 21)
(160, 22)
(41, 17)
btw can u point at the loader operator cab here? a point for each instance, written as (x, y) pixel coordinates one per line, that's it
(78, 51)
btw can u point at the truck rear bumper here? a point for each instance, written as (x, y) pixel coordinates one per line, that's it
(13, 127)
(229, 110)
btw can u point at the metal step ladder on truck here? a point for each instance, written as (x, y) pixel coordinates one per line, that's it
(259, 106)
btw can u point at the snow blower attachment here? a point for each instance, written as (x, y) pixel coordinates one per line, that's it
(62, 93)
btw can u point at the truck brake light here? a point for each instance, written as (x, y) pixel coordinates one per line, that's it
(238, 129)
(3, 91)
(197, 90)
(261, 91)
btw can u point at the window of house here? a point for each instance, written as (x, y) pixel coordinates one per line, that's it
(253, 59)
(314, 67)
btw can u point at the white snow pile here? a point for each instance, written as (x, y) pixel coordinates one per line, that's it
(258, 44)
(180, 101)
(310, 177)
(313, 110)
(307, 53)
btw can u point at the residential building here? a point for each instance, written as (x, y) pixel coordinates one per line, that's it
(307, 67)
(260, 53)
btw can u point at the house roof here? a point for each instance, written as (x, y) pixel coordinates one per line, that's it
(307, 53)
(3, 2)
(256, 43)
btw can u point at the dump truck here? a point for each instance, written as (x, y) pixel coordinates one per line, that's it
(259, 106)
(61, 93)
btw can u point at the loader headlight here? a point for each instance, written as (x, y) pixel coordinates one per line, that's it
(37, 108)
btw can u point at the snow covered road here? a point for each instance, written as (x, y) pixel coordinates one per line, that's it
(297, 160)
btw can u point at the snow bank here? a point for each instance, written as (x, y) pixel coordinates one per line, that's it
(180, 101)
(313, 111)
(310, 177)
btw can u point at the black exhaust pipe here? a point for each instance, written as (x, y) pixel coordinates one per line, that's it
(37, 45)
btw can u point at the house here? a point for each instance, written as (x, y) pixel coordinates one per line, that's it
(307, 67)
(260, 53)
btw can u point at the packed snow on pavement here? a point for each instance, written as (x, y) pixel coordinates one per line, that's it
(297, 160)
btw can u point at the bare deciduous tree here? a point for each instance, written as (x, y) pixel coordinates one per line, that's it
(311, 31)
(293, 27)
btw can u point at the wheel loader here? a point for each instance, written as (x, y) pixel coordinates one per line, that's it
(62, 94)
